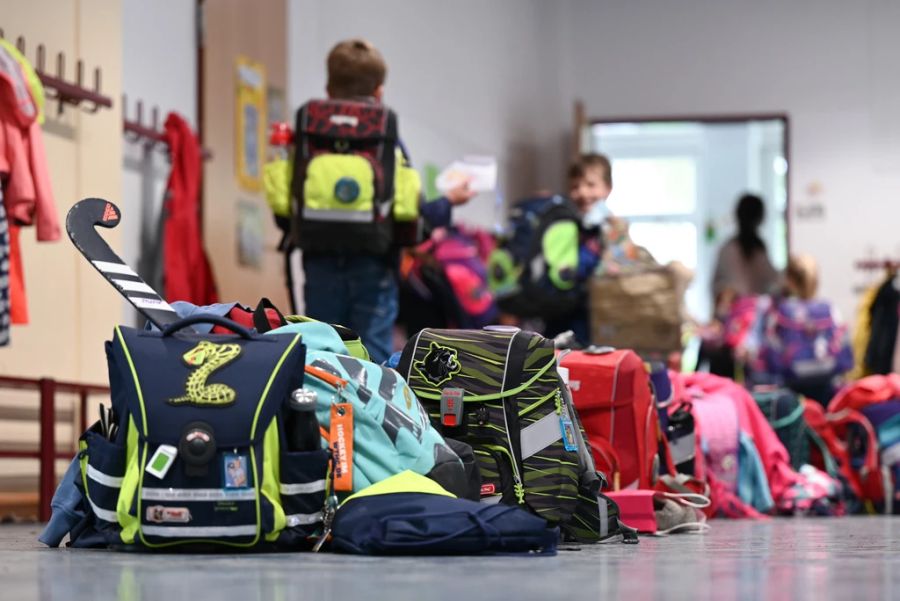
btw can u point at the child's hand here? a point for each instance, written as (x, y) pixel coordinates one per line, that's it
(460, 194)
(617, 224)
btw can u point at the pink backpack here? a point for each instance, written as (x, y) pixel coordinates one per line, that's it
(716, 432)
(751, 420)
(792, 491)
(449, 269)
(716, 425)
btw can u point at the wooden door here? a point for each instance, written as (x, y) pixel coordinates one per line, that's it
(256, 31)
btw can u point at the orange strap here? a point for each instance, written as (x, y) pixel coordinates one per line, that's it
(336, 381)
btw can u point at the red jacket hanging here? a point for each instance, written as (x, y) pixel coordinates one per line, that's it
(187, 274)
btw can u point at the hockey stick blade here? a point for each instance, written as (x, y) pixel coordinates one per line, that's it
(83, 217)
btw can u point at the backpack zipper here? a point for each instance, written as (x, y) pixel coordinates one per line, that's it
(518, 489)
(337, 382)
(517, 478)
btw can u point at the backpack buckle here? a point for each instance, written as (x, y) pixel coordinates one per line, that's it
(452, 407)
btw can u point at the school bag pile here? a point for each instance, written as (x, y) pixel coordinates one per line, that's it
(207, 443)
(186, 462)
(664, 437)
(477, 441)
(241, 428)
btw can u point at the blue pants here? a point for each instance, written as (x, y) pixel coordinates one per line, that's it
(359, 292)
(578, 321)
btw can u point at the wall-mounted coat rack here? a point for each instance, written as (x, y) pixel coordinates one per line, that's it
(889, 266)
(151, 135)
(66, 92)
(877, 265)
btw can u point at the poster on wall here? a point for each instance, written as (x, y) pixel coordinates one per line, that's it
(250, 122)
(275, 107)
(250, 234)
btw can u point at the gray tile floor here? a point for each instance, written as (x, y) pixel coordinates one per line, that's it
(849, 558)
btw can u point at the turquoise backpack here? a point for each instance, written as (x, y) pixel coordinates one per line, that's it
(391, 430)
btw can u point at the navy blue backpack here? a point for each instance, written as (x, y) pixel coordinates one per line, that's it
(409, 514)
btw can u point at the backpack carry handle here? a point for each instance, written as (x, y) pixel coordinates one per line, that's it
(207, 318)
(261, 320)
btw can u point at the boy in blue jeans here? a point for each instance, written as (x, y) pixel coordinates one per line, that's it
(359, 289)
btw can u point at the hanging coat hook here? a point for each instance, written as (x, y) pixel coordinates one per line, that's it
(130, 134)
(94, 106)
(61, 74)
(55, 85)
(79, 79)
(159, 144)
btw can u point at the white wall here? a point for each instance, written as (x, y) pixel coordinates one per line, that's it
(465, 77)
(830, 65)
(159, 68)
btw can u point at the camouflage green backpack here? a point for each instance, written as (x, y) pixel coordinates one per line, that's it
(499, 391)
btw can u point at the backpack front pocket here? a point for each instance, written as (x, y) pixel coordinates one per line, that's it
(339, 187)
(221, 506)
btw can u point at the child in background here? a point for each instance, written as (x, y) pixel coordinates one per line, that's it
(590, 184)
(801, 277)
(355, 289)
(804, 344)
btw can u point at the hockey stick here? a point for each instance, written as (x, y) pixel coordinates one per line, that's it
(83, 217)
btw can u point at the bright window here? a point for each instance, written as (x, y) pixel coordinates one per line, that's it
(658, 196)
(667, 240)
(654, 186)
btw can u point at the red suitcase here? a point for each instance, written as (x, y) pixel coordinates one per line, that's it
(611, 390)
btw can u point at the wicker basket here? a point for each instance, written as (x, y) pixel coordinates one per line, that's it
(640, 310)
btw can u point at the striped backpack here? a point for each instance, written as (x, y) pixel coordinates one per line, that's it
(499, 391)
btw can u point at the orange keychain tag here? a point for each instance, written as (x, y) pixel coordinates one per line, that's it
(341, 442)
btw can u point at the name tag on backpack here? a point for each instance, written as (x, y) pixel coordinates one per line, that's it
(570, 442)
(341, 443)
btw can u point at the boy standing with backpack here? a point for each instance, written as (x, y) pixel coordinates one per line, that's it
(356, 199)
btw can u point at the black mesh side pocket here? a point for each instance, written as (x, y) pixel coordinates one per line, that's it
(102, 475)
(303, 494)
